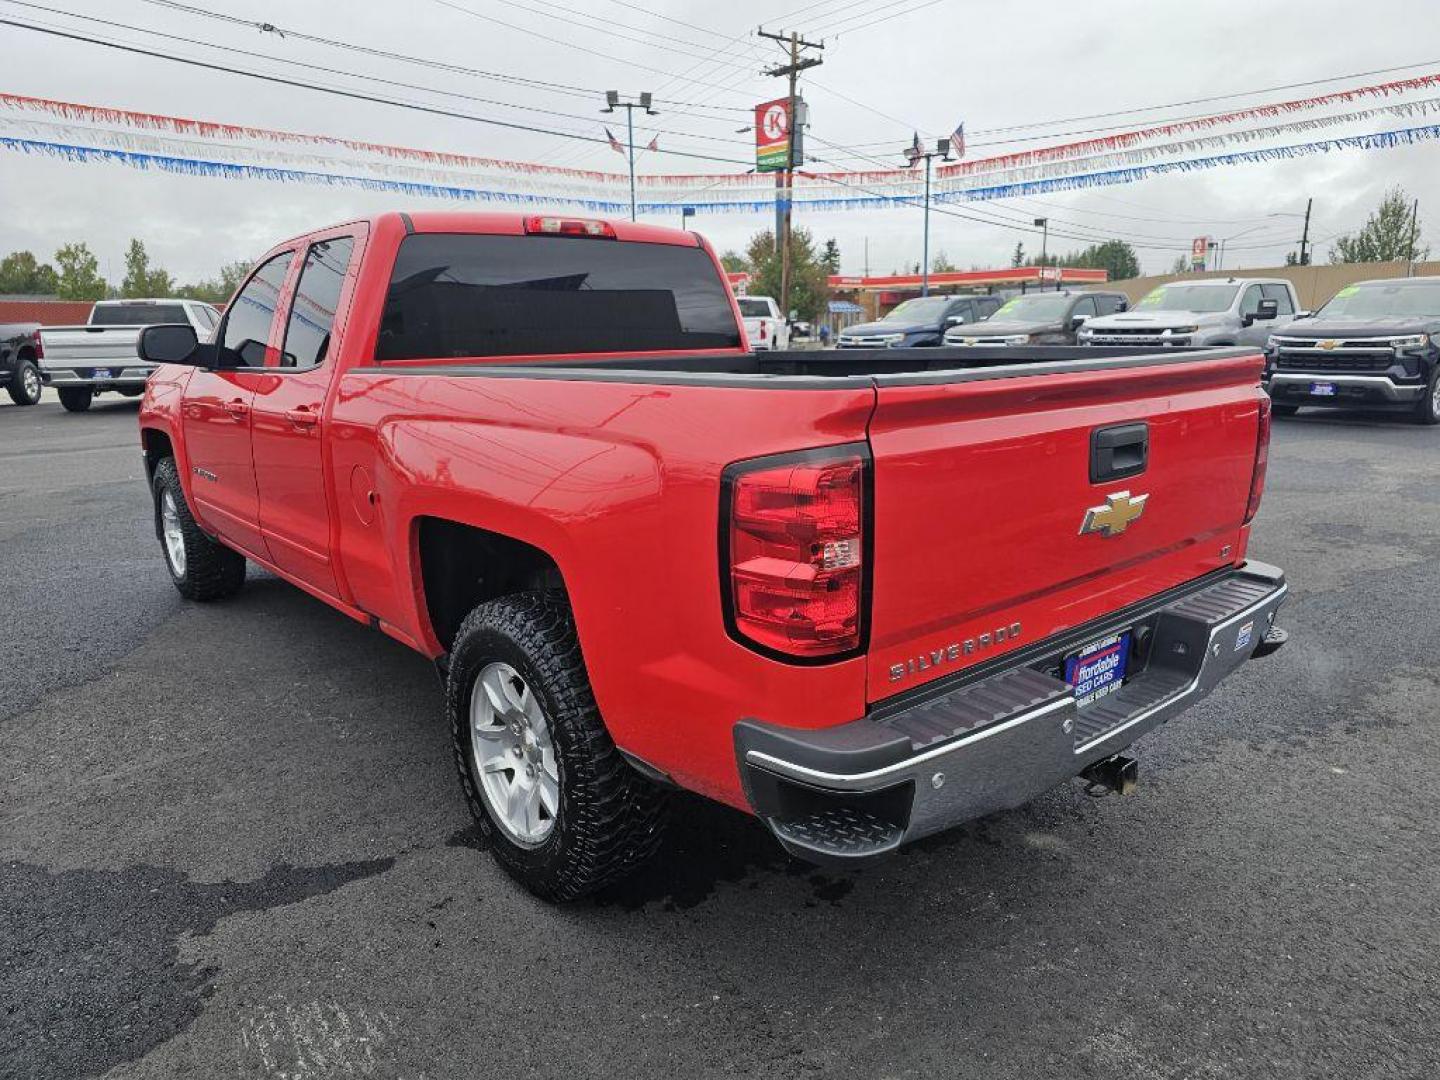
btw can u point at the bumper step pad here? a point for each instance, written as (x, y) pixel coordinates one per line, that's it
(839, 832)
(992, 701)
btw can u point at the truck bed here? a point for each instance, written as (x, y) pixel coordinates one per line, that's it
(800, 369)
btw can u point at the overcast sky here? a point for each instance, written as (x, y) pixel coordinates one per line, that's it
(927, 67)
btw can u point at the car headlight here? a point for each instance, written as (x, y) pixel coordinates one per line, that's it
(891, 340)
(1018, 339)
(1179, 330)
(1085, 335)
(1271, 342)
(1410, 341)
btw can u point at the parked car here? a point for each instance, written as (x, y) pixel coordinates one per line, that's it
(1040, 318)
(1233, 311)
(865, 600)
(918, 323)
(19, 371)
(82, 361)
(1375, 345)
(765, 326)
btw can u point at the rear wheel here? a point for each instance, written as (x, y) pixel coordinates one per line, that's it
(76, 398)
(201, 568)
(25, 388)
(1427, 409)
(565, 814)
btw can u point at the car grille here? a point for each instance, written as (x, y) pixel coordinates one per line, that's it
(872, 342)
(1346, 354)
(1136, 336)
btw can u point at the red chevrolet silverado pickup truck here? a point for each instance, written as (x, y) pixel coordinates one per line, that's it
(864, 596)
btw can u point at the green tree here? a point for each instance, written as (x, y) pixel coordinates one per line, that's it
(218, 290)
(1181, 265)
(1386, 235)
(79, 277)
(941, 264)
(1018, 259)
(140, 280)
(830, 257)
(1114, 256)
(809, 288)
(21, 272)
(734, 262)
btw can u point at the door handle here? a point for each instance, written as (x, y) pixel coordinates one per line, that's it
(304, 416)
(238, 410)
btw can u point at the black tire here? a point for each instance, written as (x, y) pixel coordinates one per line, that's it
(76, 398)
(1284, 410)
(25, 388)
(211, 571)
(610, 818)
(1427, 409)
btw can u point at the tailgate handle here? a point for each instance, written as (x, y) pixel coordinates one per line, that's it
(1119, 451)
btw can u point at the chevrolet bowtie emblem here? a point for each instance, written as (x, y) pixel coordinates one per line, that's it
(1328, 343)
(1115, 516)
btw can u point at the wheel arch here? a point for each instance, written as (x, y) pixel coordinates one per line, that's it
(461, 566)
(157, 446)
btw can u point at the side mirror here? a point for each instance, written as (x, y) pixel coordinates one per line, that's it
(168, 343)
(955, 320)
(1077, 321)
(1123, 306)
(1267, 310)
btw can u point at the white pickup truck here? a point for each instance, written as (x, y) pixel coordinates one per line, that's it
(82, 361)
(764, 325)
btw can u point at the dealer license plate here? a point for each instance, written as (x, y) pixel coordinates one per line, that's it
(1322, 389)
(1098, 669)
(103, 373)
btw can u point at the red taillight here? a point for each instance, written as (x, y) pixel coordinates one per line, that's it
(558, 226)
(1262, 459)
(797, 552)
(764, 330)
(39, 345)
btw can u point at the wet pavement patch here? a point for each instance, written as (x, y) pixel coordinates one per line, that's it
(90, 969)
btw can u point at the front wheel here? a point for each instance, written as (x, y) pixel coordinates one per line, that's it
(201, 568)
(76, 398)
(26, 387)
(564, 812)
(1427, 409)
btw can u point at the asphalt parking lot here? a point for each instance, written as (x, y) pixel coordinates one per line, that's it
(232, 844)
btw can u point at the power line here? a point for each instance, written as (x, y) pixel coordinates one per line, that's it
(883, 18)
(338, 92)
(363, 76)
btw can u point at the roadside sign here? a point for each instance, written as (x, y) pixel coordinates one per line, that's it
(1199, 247)
(772, 135)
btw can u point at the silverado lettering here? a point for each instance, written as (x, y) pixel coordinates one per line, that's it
(541, 452)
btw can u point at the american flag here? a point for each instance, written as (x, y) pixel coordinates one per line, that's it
(957, 140)
(654, 143)
(614, 142)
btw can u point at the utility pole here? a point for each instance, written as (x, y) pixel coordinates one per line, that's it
(914, 154)
(794, 44)
(613, 102)
(1410, 251)
(1044, 223)
(1305, 235)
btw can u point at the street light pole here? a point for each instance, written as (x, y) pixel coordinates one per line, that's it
(914, 154)
(1044, 223)
(613, 102)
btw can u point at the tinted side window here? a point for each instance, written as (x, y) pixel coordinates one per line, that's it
(248, 318)
(1084, 308)
(1108, 305)
(1250, 302)
(312, 312)
(1281, 296)
(471, 295)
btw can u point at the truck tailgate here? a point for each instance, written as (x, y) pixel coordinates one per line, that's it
(69, 346)
(982, 485)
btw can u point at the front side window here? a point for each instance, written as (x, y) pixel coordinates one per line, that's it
(248, 318)
(1109, 305)
(1250, 302)
(312, 312)
(1281, 295)
(463, 295)
(1084, 308)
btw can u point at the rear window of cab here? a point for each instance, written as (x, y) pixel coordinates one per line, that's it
(467, 295)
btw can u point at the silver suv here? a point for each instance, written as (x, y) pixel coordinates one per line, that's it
(1218, 311)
